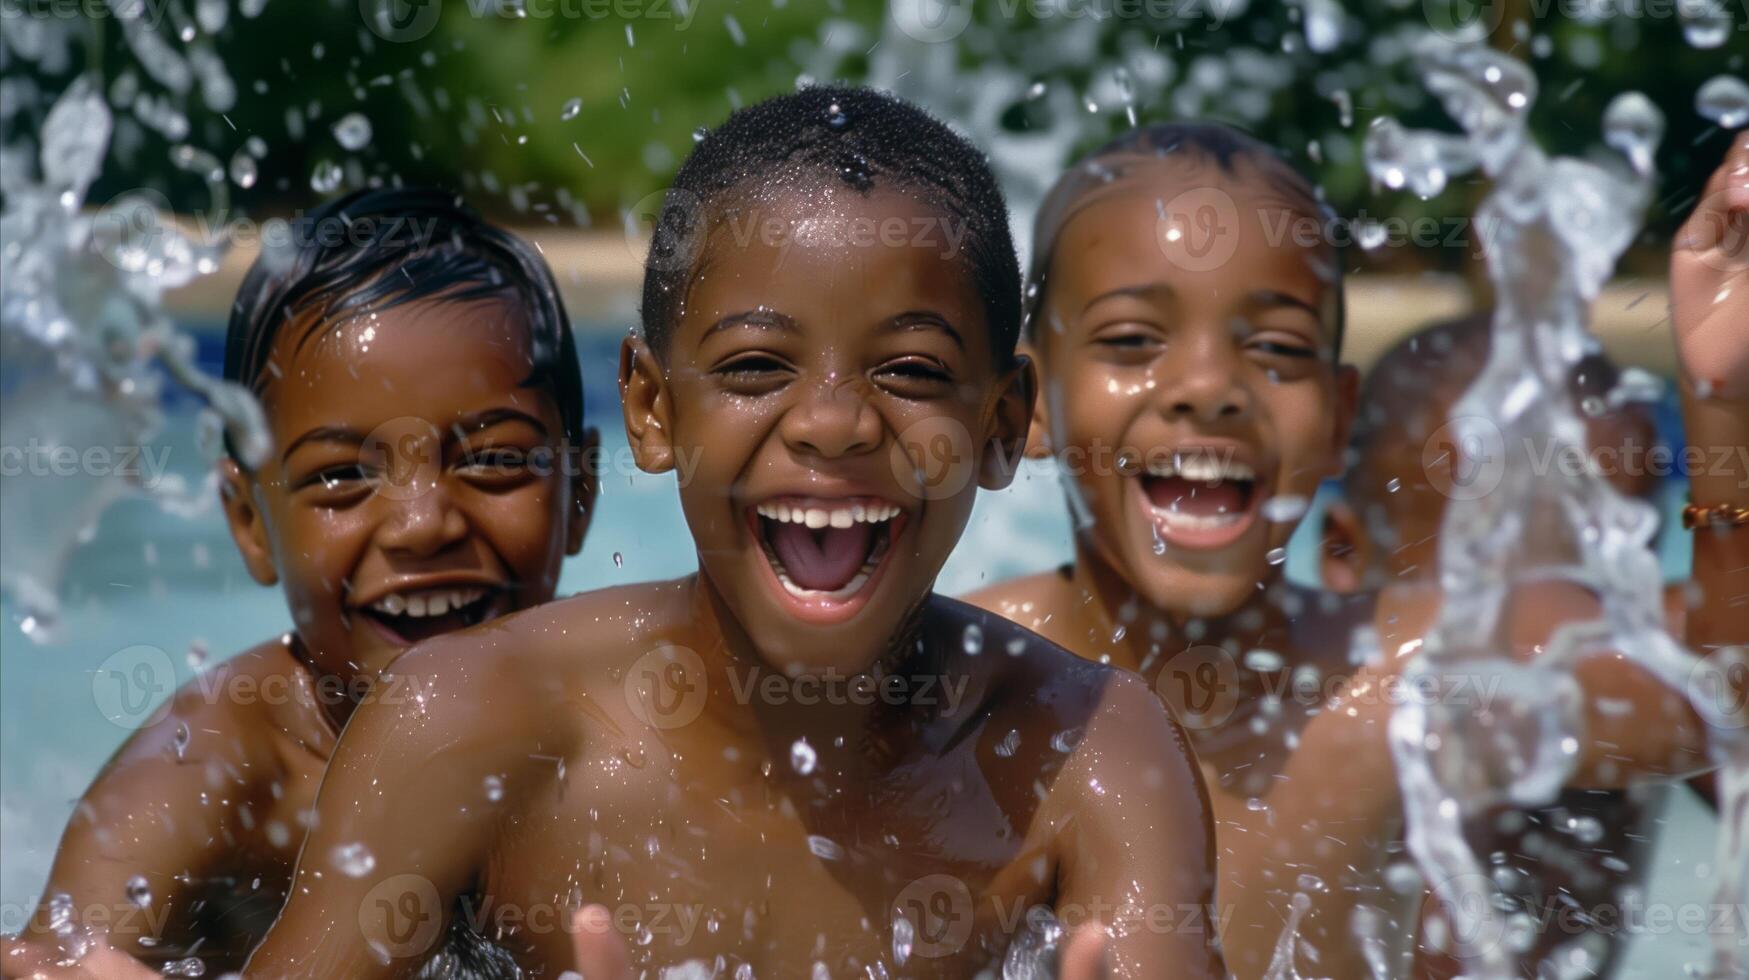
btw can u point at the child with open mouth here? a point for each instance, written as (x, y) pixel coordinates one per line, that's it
(799, 760)
(1188, 332)
(430, 470)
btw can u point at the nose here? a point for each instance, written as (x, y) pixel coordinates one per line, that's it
(833, 418)
(1206, 381)
(424, 523)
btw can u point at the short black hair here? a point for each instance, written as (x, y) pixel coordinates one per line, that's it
(1208, 142)
(854, 137)
(382, 247)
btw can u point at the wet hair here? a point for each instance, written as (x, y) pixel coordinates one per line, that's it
(377, 249)
(834, 136)
(1223, 146)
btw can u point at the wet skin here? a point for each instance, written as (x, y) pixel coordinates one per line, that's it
(1307, 799)
(570, 755)
(338, 520)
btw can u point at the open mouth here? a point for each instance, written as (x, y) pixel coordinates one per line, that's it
(825, 553)
(1200, 500)
(412, 615)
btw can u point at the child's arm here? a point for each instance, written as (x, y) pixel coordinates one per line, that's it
(143, 818)
(1134, 841)
(403, 822)
(1709, 312)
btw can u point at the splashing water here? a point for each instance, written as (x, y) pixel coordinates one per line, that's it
(82, 331)
(1569, 220)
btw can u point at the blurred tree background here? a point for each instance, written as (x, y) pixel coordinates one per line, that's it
(571, 112)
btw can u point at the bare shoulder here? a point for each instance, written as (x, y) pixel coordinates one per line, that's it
(227, 714)
(521, 678)
(1040, 602)
(1025, 677)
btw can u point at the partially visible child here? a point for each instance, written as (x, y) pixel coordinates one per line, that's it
(430, 470)
(1570, 860)
(1188, 341)
(800, 749)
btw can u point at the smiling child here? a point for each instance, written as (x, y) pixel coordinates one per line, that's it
(750, 769)
(425, 405)
(1187, 321)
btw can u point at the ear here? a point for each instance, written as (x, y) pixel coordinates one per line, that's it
(248, 525)
(1015, 405)
(644, 397)
(1038, 436)
(1344, 550)
(1347, 405)
(585, 487)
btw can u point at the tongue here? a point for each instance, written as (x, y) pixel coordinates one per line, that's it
(824, 560)
(1197, 499)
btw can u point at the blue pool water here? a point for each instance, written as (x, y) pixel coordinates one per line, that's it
(175, 584)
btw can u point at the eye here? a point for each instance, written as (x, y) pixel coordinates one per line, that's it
(915, 369)
(1129, 341)
(1285, 349)
(754, 372)
(338, 477)
(496, 466)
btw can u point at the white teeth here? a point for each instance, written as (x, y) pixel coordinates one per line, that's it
(429, 602)
(1195, 522)
(819, 517)
(1202, 468)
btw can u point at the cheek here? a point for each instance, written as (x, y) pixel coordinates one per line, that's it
(1305, 423)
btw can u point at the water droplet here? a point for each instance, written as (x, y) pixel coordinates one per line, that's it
(1276, 556)
(1633, 125)
(1066, 740)
(902, 936)
(700, 133)
(326, 177)
(1036, 90)
(1705, 23)
(494, 789)
(836, 118)
(1263, 661)
(353, 131)
(243, 169)
(619, 560)
(1393, 485)
(1009, 744)
(973, 641)
(1724, 99)
(1016, 646)
(139, 891)
(824, 848)
(802, 757)
(1288, 507)
(570, 110)
(179, 741)
(354, 860)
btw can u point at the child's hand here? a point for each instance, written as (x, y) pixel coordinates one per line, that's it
(1709, 281)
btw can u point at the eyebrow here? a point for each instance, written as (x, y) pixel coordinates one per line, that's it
(1270, 297)
(1147, 291)
(763, 319)
(924, 320)
(472, 422)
